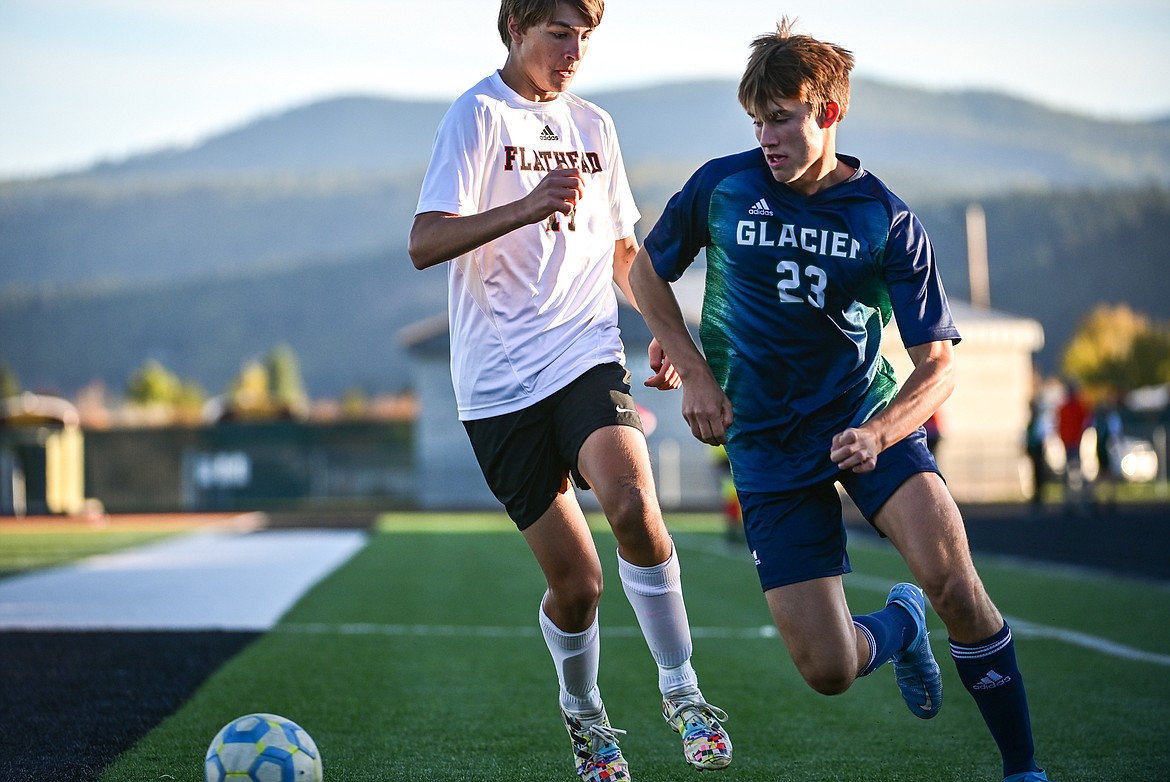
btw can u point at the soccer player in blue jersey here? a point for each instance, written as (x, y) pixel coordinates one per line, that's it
(808, 257)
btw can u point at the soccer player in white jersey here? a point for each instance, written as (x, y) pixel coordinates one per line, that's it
(526, 201)
(808, 257)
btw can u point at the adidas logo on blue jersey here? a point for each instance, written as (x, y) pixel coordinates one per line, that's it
(761, 208)
(548, 134)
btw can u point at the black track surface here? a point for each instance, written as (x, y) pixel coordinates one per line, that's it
(71, 702)
(1133, 540)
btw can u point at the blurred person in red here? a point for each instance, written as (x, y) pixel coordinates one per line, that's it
(1073, 417)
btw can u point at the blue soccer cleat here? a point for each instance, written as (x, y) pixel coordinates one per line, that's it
(1027, 776)
(915, 669)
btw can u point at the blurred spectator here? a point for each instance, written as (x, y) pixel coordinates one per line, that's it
(1036, 445)
(1073, 418)
(730, 499)
(1107, 422)
(933, 427)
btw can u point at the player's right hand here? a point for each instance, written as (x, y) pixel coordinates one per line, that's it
(855, 449)
(707, 409)
(665, 377)
(559, 191)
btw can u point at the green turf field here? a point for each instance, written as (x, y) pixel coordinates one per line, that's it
(26, 547)
(421, 660)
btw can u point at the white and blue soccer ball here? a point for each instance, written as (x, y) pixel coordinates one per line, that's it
(262, 748)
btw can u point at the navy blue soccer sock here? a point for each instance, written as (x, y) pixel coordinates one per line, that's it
(989, 672)
(888, 632)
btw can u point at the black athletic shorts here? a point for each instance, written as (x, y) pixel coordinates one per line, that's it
(527, 456)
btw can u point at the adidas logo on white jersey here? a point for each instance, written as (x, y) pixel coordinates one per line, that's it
(548, 134)
(761, 208)
(991, 680)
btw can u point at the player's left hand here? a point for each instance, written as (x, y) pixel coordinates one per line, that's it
(665, 377)
(856, 450)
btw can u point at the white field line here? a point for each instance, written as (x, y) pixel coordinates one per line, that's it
(1021, 628)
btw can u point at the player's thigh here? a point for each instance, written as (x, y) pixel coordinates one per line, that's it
(590, 416)
(615, 462)
(563, 546)
(815, 623)
(923, 522)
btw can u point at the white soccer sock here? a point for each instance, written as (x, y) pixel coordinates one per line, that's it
(576, 657)
(655, 593)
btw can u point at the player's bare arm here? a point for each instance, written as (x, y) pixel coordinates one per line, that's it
(704, 405)
(924, 391)
(624, 253)
(436, 237)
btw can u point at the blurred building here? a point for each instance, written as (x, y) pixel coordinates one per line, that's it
(981, 452)
(42, 457)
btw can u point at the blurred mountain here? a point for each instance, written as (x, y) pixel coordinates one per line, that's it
(957, 142)
(291, 228)
(345, 134)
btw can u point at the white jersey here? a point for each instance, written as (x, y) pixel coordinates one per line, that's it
(533, 310)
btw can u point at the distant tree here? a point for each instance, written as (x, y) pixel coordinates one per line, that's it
(152, 383)
(286, 387)
(269, 389)
(354, 403)
(190, 400)
(1150, 357)
(1117, 348)
(9, 382)
(248, 393)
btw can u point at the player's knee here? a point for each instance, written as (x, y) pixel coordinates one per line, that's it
(958, 599)
(827, 679)
(628, 510)
(830, 684)
(578, 598)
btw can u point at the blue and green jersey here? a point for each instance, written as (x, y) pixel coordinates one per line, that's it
(798, 290)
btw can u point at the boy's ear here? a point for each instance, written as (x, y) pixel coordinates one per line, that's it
(831, 114)
(514, 30)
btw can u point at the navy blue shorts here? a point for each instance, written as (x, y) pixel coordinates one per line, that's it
(527, 456)
(799, 535)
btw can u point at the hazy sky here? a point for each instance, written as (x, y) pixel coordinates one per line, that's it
(82, 80)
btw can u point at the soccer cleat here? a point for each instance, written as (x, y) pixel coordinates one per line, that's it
(706, 745)
(915, 669)
(1027, 776)
(595, 749)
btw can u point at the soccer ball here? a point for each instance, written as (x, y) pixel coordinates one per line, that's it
(262, 748)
